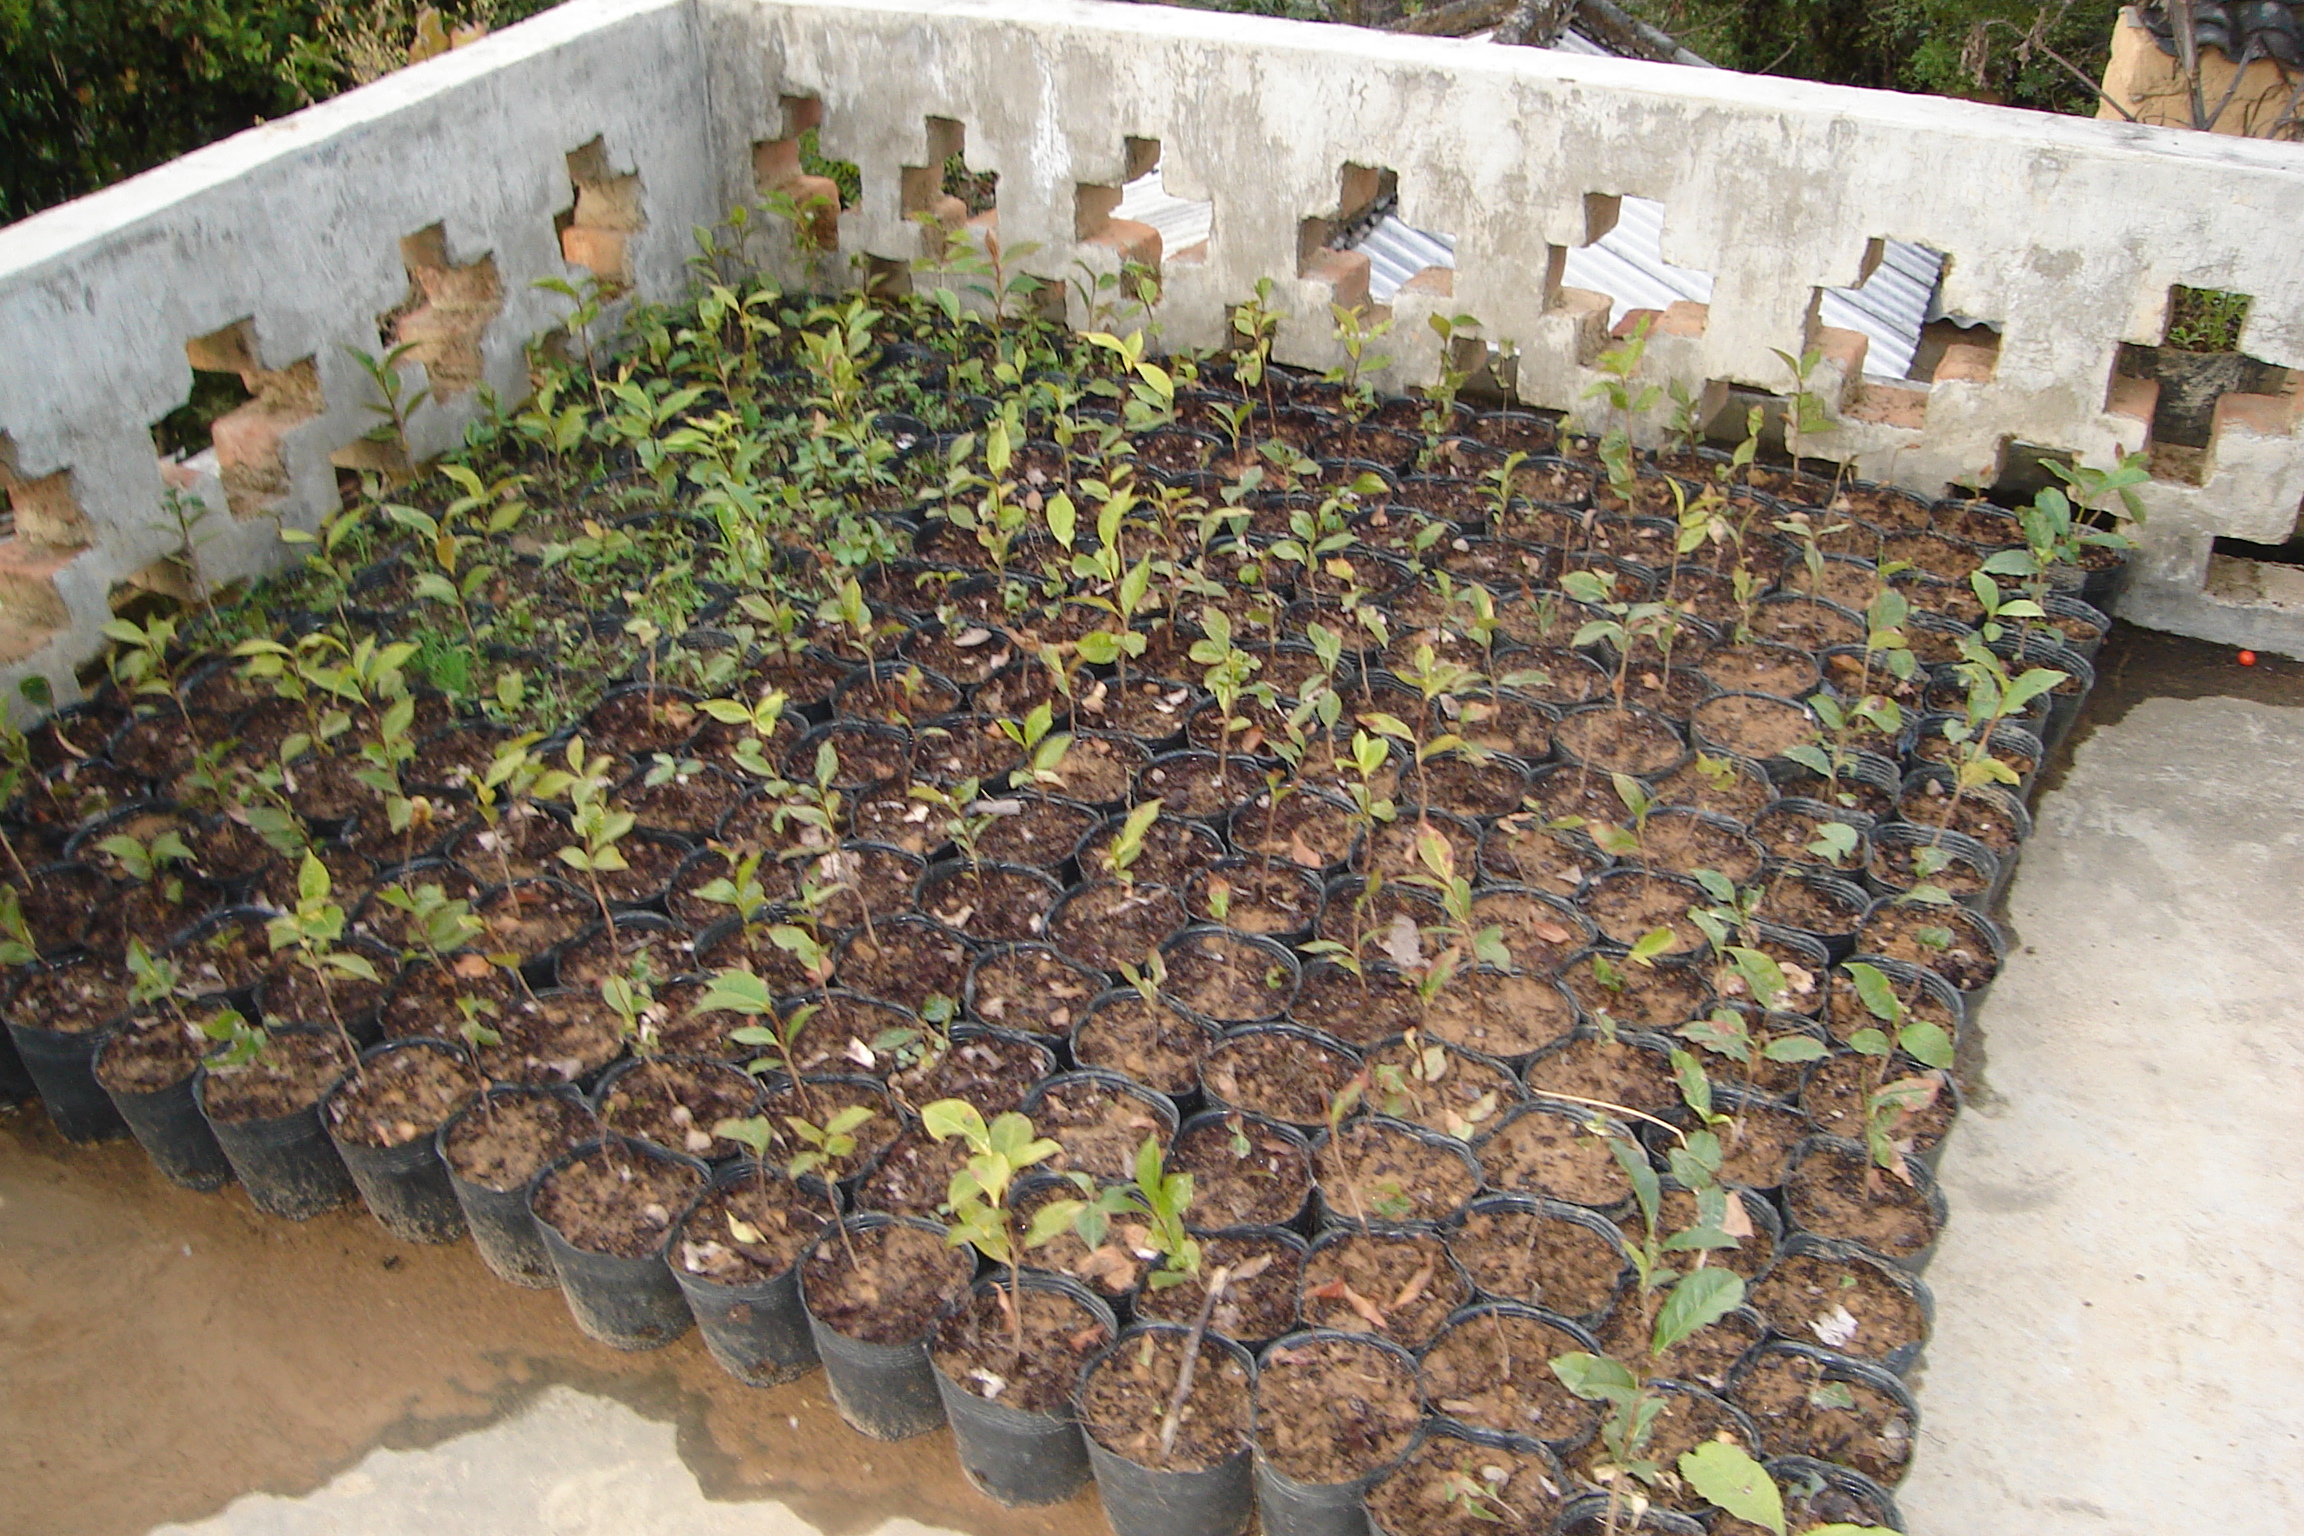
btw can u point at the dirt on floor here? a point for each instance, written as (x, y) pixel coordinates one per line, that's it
(165, 1352)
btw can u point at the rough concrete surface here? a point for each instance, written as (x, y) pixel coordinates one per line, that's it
(2115, 1347)
(569, 1464)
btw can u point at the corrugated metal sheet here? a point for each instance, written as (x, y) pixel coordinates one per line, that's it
(1182, 224)
(1628, 265)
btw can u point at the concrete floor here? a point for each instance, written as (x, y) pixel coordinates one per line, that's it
(2116, 1292)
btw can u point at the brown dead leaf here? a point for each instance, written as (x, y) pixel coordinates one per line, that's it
(1415, 1286)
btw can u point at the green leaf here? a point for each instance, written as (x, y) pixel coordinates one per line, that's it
(1595, 1378)
(947, 1118)
(1701, 1299)
(1725, 1475)
(737, 991)
(1876, 992)
(1794, 1048)
(1063, 519)
(1927, 1043)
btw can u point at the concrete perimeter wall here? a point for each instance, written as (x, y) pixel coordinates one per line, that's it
(2066, 233)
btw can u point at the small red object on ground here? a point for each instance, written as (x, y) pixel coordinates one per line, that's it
(2247, 658)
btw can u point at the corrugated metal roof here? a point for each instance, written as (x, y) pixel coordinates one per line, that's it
(1396, 252)
(1891, 306)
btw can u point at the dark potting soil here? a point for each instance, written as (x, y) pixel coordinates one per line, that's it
(1444, 1090)
(554, 1038)
(676, 1104)
(1895, 865)
(748, 1231)
(1836, 1192)
(1620, 742)
(1754, 726)
(1544, 1260)
(1836, 1093)
(295, 1071)
(1115, 1267)
(1243, 1173)
(1628, 907)
(1127, 1398)
(1255, 896)
(1612, 1071)
(399, 1096)
(1945, 939)
(906, 963)
(1521, 848)
(1285, 1076)
(1807, 1414)
(1307, 830)
(1811, 907)
(1372, 1171)
(1704, 1357)
(1400, 1285)
(1687, 1420)
(1661, 997)
(1929, 804)
(1099, 1127)
(1757, 1142)
(1226, 978)
(1331, 1410)
(1499, 1014)
(1452, 1487)
(1554, 1156)
(992, 906)
(1261, 1306)
(1358, 1010)
(616, 1200)
(1493, 1370)
(885, 1285)
(1148, 1042)
(1108, 922)
(529, 918)
(501, 1144)
(1041, 833)
(623, 951)
(1842, 1304)
(975, 1346)
(915, 1177)
(1098, 770)
(149, 1054)
(990, 1073)
(1395, 848)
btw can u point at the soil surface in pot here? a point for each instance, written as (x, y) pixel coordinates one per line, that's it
(1687, 1420)
(1098, 1126)
(749, 1231)
(1031, 988)
(159, 1054)
(976, 1347)
(1807, 1413)
(1493, 1370)
(1148, 1042)
(1837, 1092)
(295, 1071)
(1377, 1172)
(616, 1200)
(1510, 1490)
(502, 1143)
(400, 1095)
(677, 1103)
(1555, 1156)
(1243, 1173)
(1400, 1285)
(1331, 1410)
(886, 1284)
(1260, 1306)
(1705, 1357)
(1611, 1071)
(990, 1073)
(1544, 1260)
(1125, 1401)
(1835, 1192)
(1842, 1304)
(1285, 1076)
(1427, 1084)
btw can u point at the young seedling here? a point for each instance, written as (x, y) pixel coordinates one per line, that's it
(744, 994)
(1725, 1475)
(978, 1198)
(309, 934)
(1887, 1104)
(1043, 747)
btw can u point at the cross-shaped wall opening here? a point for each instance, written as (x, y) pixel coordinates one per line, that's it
(597, 227)
(1892, 338)
(1618, 277)
(2197, 382)
(946, 197)
(1367, 253)
(235, 420)
(1139, 218)
(803, 185)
